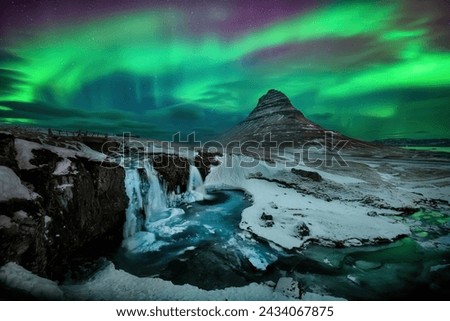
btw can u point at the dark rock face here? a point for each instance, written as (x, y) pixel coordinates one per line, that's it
(174, 171)
(268, 219)
(303, 230)
(210, 268)
(78, 216)
(7, 151)
(275, 115)
(306, 174)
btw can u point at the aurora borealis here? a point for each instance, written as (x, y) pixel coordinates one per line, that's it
(369, 69)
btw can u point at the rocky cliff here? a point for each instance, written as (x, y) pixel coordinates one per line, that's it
(72, 205)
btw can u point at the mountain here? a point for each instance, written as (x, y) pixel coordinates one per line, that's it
(275, 115)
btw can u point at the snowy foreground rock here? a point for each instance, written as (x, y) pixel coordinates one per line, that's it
(113, 284)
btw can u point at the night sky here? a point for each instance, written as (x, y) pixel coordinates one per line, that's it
(369, 69)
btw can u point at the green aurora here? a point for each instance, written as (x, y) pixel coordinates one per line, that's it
(370, 70)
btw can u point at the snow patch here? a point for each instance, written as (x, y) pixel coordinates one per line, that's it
(112, 284)
(142, 242)
(258, 259)
(5, 222)
(16, 277)
(11, 186)
(353, 279)
(64, 167)
(47, 220)
(64, 186)
(24, 153)
(288, 287)
(20, 215)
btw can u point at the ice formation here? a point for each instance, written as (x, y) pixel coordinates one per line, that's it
(148, 210)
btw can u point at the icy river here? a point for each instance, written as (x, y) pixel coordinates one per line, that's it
(205, 247)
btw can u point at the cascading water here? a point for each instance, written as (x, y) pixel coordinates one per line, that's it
(147, 208)
(146, 197)
(156, 200)
(196, 188)
(134, 192)
(148, 215)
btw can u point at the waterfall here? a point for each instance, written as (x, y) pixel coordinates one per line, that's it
(195, 186)
(146, 196)
(156, 200)
(148, 214)
(133, 189)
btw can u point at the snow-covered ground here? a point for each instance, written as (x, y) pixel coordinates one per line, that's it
(112, 284)
(24, 150)
(20, 279)
(335, 210)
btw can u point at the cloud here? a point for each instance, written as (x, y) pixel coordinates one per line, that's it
(42, 111)
(56, 117)
(10, 81)
(185, 112)
(7, 57)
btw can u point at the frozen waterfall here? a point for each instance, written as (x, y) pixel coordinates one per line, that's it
(156, 199)
(146, 198)
(134, 193)
(150, 208)
(196, 188)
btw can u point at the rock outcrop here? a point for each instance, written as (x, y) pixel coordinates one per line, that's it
(174, 169)
(77, 213)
